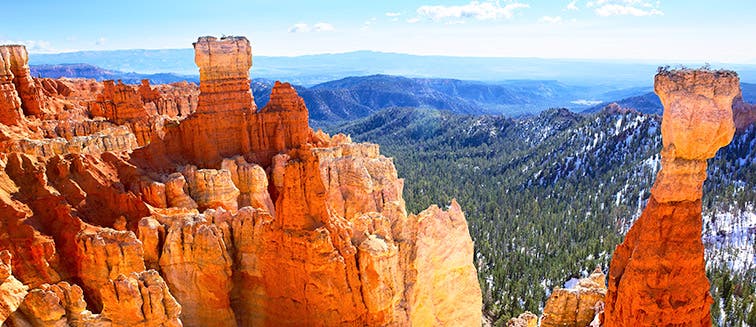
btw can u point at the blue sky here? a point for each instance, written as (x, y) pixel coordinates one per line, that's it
(680, 30)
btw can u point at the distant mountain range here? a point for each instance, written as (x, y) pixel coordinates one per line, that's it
(356, 97)
(649, 103)
(313, 69)
(91, 71)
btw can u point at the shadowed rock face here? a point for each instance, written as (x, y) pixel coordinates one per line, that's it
(248, 218)
(657, 275)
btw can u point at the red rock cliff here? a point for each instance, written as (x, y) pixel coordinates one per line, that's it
(657, 275)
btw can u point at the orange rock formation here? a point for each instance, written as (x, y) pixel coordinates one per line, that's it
(577, 306)
(157, 213)
(657, 275)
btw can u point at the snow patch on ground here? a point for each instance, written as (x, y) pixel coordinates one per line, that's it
(730, 237)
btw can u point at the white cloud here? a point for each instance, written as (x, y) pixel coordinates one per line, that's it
(487, 10)
(413, 20)
(323, 27)
(299, 28)
(572, 6)
(37, 46)
(393, 14)
(367, 23)
(636, 8)
(306, 28)
(550, 19)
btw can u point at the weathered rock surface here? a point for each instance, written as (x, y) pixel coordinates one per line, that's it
(576, 306)
(248, 218)
(525, 319)
(648, 283)
(197, 267)
(12, 292)
(437, 267)
(10, 102)
(104, 254)
(30, 94)
(211, 188)
(743, 113)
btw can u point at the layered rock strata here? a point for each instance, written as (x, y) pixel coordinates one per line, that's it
(220, 216)
(657, 275)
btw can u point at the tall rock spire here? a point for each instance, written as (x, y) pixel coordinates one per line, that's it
(224, 73)
(657, 275)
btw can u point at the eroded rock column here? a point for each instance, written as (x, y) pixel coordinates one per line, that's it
(224, 73)
(10, 103)
(30, 94)
(657, 275)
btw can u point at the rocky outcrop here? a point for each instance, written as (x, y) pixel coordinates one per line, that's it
(140, 299)
(743, 113)
(252, 183)
(171, 100)
(248, 218)
(211, 188)
(525, 319)
(176, 191)
(137, 299)
(197, 267)
(113, 139)
(10, 102)
(648, 283)
(436, 267)
(12, 292)
(30, 94)
(226, 123)
(224, 74)
(577, 306)
(104, 254)
(119, 103)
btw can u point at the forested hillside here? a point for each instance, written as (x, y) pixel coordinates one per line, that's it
(549, 197)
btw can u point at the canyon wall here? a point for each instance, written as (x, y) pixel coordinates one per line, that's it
(198, 209)
(657, 275)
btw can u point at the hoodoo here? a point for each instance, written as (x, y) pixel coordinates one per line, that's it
(657, 275)
(153, 213)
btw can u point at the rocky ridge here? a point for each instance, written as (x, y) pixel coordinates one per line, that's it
(218, 214)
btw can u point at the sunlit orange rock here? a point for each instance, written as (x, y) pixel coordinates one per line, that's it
(104, 254)
(211, 188)
(525, 319)
(248, 218)
(439, 263)
(10, 102)
(140, 299)
(576, 306)
(30, 94)
(197, 268)
(657, 275)
(252, 183)
(12, 292)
